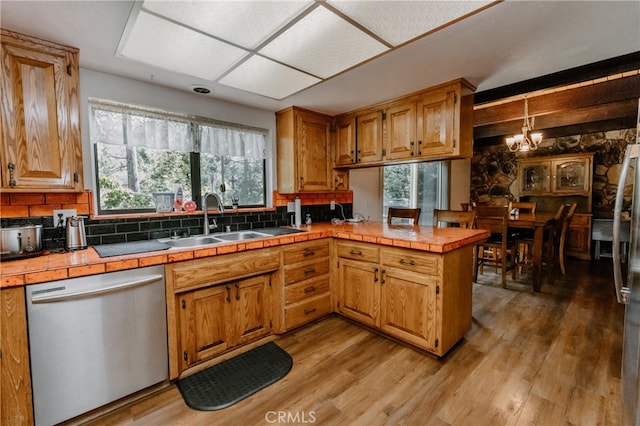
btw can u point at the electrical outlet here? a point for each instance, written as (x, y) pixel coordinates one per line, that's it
(65, 214)
(332, 206)
(291, 207)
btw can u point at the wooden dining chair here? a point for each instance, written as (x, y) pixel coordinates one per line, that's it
(499, 248)
(403, 216)
(523, 255)
(571, 209)
(454, 218)
(523, 206)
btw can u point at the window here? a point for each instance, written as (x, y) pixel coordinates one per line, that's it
(139, 152)
(415, 185)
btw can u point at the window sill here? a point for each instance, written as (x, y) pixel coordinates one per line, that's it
(181, 213)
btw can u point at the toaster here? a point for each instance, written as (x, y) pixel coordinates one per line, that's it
(17, 242)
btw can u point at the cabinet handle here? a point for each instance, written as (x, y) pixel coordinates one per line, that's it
(76, 177)
(382, 281)
(228, 293)
(358, 252)
(309, 289)
(419, 142)
(12, 168)
(237, 291)
(308, 252)
(309, 311)
(309, 271)
(411, 262)
(375, 275)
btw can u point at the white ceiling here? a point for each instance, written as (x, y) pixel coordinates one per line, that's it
(505, 43)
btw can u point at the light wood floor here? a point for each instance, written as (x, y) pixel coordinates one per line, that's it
(551, 358)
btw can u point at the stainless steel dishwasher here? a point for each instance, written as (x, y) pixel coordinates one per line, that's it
(95, 339)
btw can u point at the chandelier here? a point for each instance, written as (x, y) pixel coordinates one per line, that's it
(526, 141)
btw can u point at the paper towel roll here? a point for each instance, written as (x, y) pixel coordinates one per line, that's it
(298, 212)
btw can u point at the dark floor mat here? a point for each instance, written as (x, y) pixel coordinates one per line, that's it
(235, 379)
(120, 249)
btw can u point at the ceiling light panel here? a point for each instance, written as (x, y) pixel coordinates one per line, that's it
(265, 77)
(167, 45)
(400, 21)
(245, 23)
(323, 44)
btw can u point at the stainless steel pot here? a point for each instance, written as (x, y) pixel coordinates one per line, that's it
(18, 242)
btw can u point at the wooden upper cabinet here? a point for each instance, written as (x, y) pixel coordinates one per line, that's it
(304, 151)
(41, 144)
(432, 124)
(369, 137)
(400, 133)
(435, 123)
(567, 174)
(345, 140)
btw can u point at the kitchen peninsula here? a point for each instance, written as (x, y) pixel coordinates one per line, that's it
(410, 283)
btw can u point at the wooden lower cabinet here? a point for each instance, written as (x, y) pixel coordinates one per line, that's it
(408, 306)
(303, 291)
(216, 319)
(419, 297)
(16, 404)
(359, 291)
(578, 241)
(210, 312)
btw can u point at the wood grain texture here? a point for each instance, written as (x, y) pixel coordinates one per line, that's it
(40, 115)
(547, 358)
(15, 374)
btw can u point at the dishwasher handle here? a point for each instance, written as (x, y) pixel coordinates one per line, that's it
(48, 298)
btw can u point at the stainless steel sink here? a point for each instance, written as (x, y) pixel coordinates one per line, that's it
(203, 240)
(241, 236)
(190, 241)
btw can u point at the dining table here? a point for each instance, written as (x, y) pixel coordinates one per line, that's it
(536, 222)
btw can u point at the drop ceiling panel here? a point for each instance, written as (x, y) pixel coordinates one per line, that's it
(323, 44)
(161, 43)
(268, 78)
(245, 23)
(400, 21)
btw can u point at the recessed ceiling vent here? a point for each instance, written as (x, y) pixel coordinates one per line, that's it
(201, 90)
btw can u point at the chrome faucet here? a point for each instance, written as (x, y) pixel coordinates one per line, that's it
(205, 207)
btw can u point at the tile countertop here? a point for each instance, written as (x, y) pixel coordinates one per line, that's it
(58, 266)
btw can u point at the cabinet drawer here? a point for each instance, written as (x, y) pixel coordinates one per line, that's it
(306, 311)
(305, 251)
(358, 251)
(299, 272)
(218, 269)
(306, 289)
(411, 260)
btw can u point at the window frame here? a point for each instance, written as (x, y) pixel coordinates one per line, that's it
(194, 157)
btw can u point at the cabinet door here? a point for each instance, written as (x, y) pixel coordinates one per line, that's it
(369, 137)
(572, 175)
(359, 291)
(534, 178)
(205, 323)
(435, 121)
(314, 171)
(251, 310)
(408, 307)
(400, 134)
(578, 240)
(40, 119)
(16, 405)
(345, 141)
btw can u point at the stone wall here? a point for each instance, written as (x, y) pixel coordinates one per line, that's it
(494, 169)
